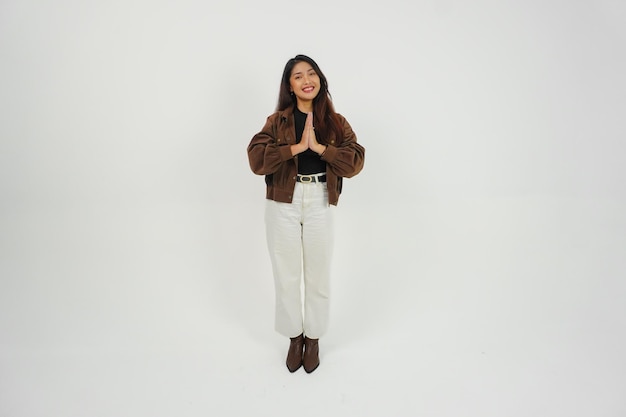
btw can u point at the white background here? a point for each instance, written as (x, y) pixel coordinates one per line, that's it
(479, 265)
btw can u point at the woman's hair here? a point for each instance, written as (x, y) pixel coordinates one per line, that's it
(325, 119)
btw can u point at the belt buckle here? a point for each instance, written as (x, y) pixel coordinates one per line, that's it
(306, 178)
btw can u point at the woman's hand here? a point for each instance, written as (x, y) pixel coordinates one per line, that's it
(311, 140)
(308, 141)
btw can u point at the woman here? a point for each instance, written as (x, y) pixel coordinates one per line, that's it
(304, 150)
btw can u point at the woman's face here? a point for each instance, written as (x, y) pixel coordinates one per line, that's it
(304, 82)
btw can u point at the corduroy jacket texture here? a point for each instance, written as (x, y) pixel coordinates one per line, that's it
(269, 154)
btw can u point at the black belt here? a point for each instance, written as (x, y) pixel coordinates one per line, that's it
(311, 178)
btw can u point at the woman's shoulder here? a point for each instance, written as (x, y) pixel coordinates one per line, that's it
(342, 119)
(280, 115)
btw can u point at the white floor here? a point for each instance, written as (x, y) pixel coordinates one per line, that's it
(504, 307)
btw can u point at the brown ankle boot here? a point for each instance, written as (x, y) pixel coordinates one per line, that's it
(311, 359)
(294, 354)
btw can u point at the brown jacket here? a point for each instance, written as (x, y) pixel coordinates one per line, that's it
(269, 154)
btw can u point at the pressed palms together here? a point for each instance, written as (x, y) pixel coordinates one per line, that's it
(308, 140)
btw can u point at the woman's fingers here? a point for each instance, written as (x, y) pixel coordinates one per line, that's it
(308, 136)
(311, 129)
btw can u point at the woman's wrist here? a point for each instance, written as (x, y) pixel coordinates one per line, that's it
(296, 149)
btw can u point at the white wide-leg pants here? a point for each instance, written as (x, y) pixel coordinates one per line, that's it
(300, 243)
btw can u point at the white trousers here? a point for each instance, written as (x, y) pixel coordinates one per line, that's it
(300, 243)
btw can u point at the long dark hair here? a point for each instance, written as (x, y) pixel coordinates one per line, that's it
(325, 119)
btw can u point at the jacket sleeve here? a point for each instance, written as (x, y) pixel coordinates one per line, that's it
(347, 158)
(264, 154)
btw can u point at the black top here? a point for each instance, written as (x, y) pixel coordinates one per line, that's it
(308, 161)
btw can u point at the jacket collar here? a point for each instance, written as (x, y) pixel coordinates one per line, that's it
(286, 114)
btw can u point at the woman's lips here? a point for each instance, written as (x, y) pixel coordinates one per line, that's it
(308, 89)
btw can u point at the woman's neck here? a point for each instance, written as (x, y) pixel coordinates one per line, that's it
(305, 106)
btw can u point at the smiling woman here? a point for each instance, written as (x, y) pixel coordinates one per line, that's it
(304, 151)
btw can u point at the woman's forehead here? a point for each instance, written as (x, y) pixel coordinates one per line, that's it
(301, 66)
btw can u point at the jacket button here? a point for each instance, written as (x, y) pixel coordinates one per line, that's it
(332, 141)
